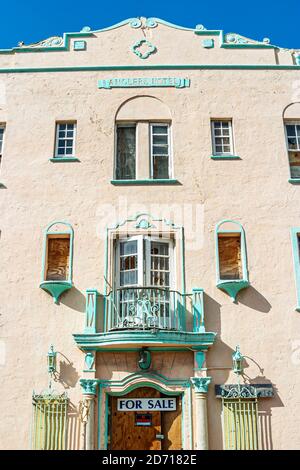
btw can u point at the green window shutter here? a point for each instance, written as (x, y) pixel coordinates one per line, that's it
(240, 424)
(49, 422)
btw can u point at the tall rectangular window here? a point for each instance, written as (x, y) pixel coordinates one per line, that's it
(160, 151)
(65, 140)
(126, 152)
(222, 139)
(230, 256)
(240, 424)
(58, 258)
(292, 131)
(2, 128)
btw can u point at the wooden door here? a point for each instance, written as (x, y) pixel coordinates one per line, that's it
(171, 427)
(125, 434)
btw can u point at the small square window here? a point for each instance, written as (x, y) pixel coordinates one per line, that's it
(222, 138)
(65, 140)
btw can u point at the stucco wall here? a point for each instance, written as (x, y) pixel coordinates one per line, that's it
(254, 191)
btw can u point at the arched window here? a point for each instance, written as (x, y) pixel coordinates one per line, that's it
(143, 144)
(231, 257)
(57, 259)
(291, 116)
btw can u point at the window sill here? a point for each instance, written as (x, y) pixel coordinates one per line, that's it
(64, 159)
(294, 180)
(233, 287)
(56, 288)
(142, 182)
(225, 157)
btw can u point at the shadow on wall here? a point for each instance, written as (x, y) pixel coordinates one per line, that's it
(68, 375)
(74, 299)
(74, 428)
(254, 299)
(212, 311)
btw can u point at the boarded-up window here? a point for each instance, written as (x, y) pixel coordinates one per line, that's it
(240, 424)
(230, 256)
(58, 255)
(49, 422)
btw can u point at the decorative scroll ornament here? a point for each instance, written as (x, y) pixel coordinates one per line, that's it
(143, 42)
(200, 27)
(239, 391)
(143, 23)
(233, 38)
(145, 359)
(54, 41)
(142, 312)
(144, 224)
(201, 384)
(89, 386)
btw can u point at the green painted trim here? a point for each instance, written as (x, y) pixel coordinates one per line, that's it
(145, 338)
(93, 68)
(294, 180)
(137, 348)
(146, 382)
(225, 157)
(64, 160)
(143, 182)
(232, 286)
(295, 231)
(56, 288)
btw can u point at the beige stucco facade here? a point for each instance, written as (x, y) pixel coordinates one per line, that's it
(249, 83)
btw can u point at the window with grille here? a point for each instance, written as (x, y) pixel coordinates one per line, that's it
(49, 427)
(222, 138)
(160, 151)
(292, 131)
(240, 424)
(143, 151)
(65, 140)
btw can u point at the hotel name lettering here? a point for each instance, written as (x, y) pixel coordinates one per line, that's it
(145, 82)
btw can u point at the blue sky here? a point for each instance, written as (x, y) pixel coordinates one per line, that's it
(31, 21)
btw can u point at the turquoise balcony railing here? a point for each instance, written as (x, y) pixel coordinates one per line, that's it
(145, 308)
(152, 316)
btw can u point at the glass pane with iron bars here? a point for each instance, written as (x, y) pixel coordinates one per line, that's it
(126, 153)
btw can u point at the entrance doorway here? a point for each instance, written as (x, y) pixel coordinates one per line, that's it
(145, 429)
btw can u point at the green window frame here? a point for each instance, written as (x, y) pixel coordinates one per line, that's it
(55, 286)
(49, 422)
(231, 285)
(240, 423)
(295, 235)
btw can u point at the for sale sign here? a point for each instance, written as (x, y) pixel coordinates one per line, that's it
(147, 404)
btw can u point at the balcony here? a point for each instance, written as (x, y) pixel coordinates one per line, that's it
(144, 316)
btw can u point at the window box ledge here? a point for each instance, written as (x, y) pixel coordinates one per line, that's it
(233, 287)
(56, 288)
(64, 159)
(294, 180)
(142, 182)
(225, 157)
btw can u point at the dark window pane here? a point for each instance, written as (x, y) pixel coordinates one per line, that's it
(126, 152)
(161, 167)
(62, 127)
(160, 150)
(160, 139)
(160, 129)
(290, 130)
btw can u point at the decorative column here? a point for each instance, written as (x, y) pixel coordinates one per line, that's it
(201, 387)
(89, 390)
